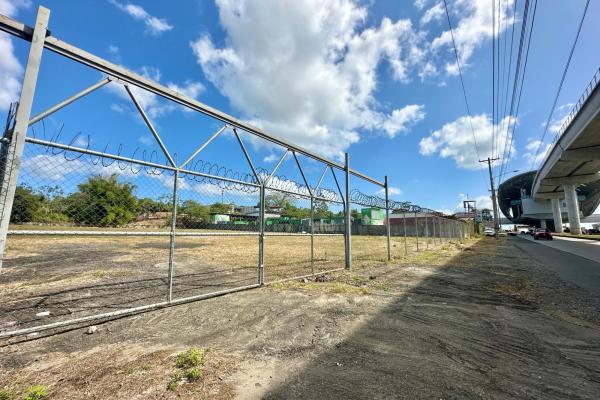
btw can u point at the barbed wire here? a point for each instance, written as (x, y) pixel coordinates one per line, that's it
(368, 200)
(223, 177)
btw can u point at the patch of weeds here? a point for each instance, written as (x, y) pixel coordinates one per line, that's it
(191, 358)
(383, 286)
(146, 367)
(8, 394)
(189, 366)
(175, 379)
(194, 374)
(36, 392)
(359, 280)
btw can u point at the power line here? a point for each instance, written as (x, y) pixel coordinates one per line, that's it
(514, 99)
(462, 83)
(493, 75)
(512, 39)
(562, 80)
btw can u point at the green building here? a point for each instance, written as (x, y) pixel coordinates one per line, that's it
(372, 216)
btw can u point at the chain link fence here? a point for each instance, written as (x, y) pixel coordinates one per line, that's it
(91, 233)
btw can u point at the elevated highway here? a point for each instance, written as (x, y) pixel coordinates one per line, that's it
(573, 161)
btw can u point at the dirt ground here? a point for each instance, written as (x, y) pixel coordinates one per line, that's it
(472, 320)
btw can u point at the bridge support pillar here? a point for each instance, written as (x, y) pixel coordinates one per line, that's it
(572, 209)
(543, 224)
(558, 227)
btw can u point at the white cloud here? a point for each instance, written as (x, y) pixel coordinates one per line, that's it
(455, 140)
(271, 158)
(400, 119)
(557, 123)
(392, 191)
(531, 148)
(9, 7)
(189, 88)
(154, 26)
(307, 70)
(420, 4)
(11, 70)
(474, 27)
(153, 104)
(435, 13)
(117, 108)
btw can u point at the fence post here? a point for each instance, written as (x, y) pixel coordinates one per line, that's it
(433, 226)
(426, 231)
(312, 235)
(348, 246)
(387, 218)
(417, 230)
(172, 239)
(261, 236)
(14, 152)
(404, 223)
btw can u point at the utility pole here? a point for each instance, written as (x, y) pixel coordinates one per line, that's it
(489, 162)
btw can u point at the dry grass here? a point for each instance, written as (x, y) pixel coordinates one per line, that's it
(520, 288)
(45, 263)
(128, 371)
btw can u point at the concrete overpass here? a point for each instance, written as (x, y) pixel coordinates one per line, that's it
(574, 160)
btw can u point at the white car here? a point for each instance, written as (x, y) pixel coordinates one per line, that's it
(489, 232)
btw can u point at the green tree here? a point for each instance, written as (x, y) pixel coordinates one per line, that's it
(322, 210)
(26, 205)
(220, 208)
(195, 211)
(103, 201)
(147, 205)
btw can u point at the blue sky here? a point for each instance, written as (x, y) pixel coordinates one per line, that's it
(377, 79)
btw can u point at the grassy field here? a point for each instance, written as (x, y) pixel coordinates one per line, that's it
(64, 277)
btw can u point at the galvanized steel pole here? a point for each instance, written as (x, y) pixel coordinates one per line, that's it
(426, 232)
(348, 246)
(261, 236)
(417, 230)
(405, 242)
(433, 226)
(172, 239)
(10, 173)
(387, 218)
(312, 235)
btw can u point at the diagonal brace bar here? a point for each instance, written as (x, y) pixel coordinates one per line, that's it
(239, 139)
(302, 173)
(338, 185)
(68, 101)
(277, 166)
(150, 126)
(316, 188)
(213, 137)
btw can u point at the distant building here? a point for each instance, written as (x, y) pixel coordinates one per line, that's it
(372, 216)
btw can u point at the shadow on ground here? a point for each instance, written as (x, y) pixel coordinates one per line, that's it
(471, 329)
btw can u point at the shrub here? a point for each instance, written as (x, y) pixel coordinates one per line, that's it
(36, 392)
(103, 201)
(190, 359)
(194, 374)
(26, 205)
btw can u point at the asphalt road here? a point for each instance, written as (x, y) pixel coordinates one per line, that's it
(574, 260)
